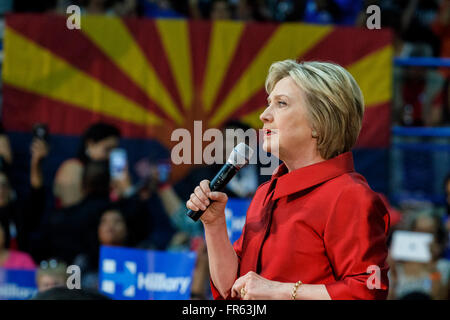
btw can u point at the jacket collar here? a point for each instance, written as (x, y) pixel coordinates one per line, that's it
(309, 176)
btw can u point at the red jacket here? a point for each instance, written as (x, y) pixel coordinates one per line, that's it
(321, 224)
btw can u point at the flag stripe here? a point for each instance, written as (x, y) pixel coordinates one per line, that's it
(175, 40)
(224, 39)
(61, 117)
(121, 47)
(146, 36)
(199, 33)
(376, 88)
(55, 78)
(76, 49)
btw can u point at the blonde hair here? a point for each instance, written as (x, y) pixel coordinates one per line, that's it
(335, 102)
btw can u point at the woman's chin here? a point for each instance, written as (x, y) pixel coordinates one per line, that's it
(270, 148)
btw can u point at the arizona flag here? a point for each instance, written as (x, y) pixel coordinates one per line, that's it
(151, 76)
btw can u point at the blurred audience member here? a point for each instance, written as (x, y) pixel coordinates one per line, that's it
(220, 10)
(321, 12)
(349, 10)
(441, 27)
(21, 218)
(430, 278)
(13, 259)
(416, 21)
(113, 230)
(97, 7)
(61, 293)
(51, 274)
(5, 151)
(446, 217)
(70, 230)
(416, 95)
(96, 144)
(127, 8)
(164, 8)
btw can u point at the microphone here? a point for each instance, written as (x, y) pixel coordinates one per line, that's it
(239, 157)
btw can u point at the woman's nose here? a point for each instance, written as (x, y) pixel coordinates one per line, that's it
(266, 115)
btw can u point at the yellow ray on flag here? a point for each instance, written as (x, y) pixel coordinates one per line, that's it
(119, 45)
(175, 39)
(225, 36)
(38, 70)
(373, 73)
(290, 41)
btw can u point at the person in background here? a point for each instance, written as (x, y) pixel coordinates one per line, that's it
(430, 279)
(220, 10)
(61, 293)
(6, 157)
(96, 144)
(71, 230)
(164, 8)
(21, 218)
(51, 274)
(321, 12)
(441, 28)
(446, 216)
(113, 230)
(13, 259)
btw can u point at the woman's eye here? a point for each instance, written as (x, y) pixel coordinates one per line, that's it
(282, 103)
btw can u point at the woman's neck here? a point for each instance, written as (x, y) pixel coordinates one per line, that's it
(300, 162)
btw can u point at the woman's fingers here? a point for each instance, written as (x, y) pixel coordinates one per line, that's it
(201, 195)
(199, 199)
(237, 286)
(190, 205)
(204, 185)
(197, 202)
(218, 196)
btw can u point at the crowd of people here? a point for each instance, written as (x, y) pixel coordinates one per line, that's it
(91, 208)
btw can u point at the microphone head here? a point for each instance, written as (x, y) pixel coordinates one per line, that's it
(240, 156)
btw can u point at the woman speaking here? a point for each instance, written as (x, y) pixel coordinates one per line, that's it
(315, 230)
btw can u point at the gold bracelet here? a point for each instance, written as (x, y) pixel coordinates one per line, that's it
(294, 290)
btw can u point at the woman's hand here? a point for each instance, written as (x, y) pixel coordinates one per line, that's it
(256, 287)
(202, 198)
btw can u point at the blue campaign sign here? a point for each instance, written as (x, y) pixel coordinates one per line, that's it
(235, 214)
(17, 284)
(135, 274)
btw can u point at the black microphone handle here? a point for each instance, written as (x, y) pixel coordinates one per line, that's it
(217, 184)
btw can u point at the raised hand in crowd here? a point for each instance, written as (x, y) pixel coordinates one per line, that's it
(39, 150)
(5, 149)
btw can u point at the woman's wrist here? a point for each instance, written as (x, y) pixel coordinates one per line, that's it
(284, 291)
(217, 225)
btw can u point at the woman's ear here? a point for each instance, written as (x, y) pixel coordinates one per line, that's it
(314, 134)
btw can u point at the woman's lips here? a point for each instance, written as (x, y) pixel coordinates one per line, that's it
(268, 132)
